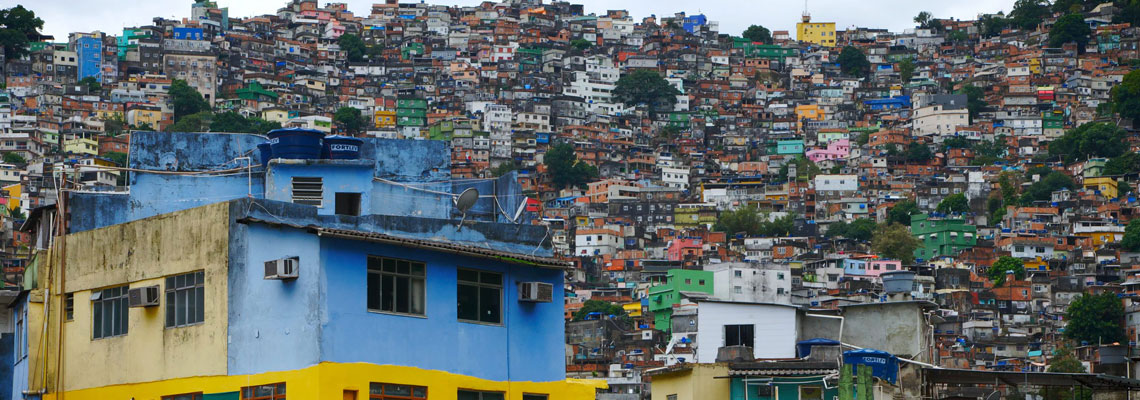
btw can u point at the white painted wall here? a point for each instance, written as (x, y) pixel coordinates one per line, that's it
(775, 328)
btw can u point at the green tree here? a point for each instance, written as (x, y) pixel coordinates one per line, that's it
(349, 119)
(918, 152)
(1043, 189)
(646, 87)
(853, 62)
(197, 122)
(757, 33)
(598, 306)
(900, 212)
(861, 229)
(992, 25)
(780, 226)
(16, 25)
(236, 123)
(1027, 14)
(906, 69)
(1126, 96)
(955, 203)
(1095, 319)
(565, 169)
(957, 36)
(1064, 361)
(117, 157)
(744, 219)
(580, 44)
(1131, 240)
(923, 19)
(1070, 28)
(894, 241)
(354, 48)
(1127, 163)
(14, 158)
(975, 100)
(114, 124)
(504, 168)
(998, 271)
(806, 170)
(185, 100)
(92, 84)
(1094, 139)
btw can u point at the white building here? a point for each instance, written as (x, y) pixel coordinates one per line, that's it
(939, 120)
(769, 329)
(596, 242)
(752, 282)
(836, 183)
(675, 177)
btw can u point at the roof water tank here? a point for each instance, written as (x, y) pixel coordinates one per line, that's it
(341, 148)
(296, 143)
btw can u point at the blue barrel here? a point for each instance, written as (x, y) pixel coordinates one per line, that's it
(341, 148)
(266, 152)
(296, 143)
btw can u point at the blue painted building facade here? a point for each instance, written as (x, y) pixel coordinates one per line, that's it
(89, 54)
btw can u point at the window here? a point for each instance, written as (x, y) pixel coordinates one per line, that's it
(21, 333)
(737, 290)
(187, 396)
(69, 306)
(348, 204)
(185, 298)
(738, 273)
(688, 281)
(109, 309)
(534, 396)
(811, 393)
(387, 391)
(308, 191)
(274, 391)
(738, 335)
(396, 286)
(480, 296)
(780, 276)
(671, 397)
(701, 282)
(473, 395)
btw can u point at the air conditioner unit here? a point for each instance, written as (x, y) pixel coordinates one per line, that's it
(142, 296)
(539, 292)
(284, 268)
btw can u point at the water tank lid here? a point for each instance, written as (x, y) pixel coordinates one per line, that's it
(294, 131)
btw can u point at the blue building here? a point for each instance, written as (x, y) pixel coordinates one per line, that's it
(188, 33)
(89, 54)
(890, 103)
(694, 23)
(323, 278)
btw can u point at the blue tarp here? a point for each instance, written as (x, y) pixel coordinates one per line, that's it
(803, 348)
(883, 365)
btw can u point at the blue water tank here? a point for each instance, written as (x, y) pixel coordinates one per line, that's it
(341, 148)
(296, 143)
(266, 152)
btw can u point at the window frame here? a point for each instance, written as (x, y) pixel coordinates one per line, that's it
(382, 396)
(481, 285)
(194, 296)
(740, 336)
(481, 393)
(193, 396)
(98, 298)
(380, 274)
(247, 392)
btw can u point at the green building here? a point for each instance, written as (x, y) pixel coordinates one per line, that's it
(769, 51)
(663, 297)
(254, 91)
(411, 112)
(941, 236)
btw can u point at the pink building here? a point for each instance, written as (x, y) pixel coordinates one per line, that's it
(835, 150)
(681, 248)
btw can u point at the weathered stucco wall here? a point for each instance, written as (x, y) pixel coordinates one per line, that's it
(143, 253)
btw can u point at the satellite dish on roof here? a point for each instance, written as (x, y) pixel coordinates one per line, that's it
(465, 201)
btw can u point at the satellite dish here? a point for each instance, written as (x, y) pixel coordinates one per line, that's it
(465, 201)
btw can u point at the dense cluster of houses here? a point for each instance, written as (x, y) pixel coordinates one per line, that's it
(944, 137)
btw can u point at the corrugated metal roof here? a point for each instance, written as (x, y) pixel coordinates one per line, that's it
(504, 256)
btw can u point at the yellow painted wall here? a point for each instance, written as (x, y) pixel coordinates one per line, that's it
(14, 193)
(141, 253)
(275, 115)
(81, 146)
(1106, 185)
(699, 383)
(140, 116)
(328, 381)
(632, 309)
(385, 118)
(821, 33)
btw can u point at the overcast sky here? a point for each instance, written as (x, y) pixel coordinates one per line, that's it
(64, 16)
